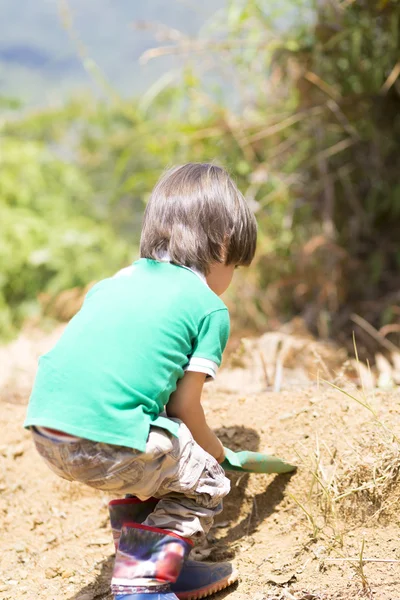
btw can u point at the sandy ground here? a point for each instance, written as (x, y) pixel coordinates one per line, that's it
(282, 532)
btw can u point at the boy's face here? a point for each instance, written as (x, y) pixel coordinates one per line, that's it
(220, 277)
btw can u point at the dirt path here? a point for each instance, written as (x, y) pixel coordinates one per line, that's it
(55, 543)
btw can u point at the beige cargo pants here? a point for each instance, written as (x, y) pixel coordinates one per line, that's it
(188, 481)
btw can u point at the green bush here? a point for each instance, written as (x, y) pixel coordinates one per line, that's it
(308, 124)
(47, 243)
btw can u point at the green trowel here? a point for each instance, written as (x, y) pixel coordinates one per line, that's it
(255, 462)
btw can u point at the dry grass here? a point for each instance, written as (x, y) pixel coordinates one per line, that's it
(351, 487)
(286, 594)
(366, 489)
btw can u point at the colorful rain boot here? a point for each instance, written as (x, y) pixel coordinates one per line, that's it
(148, 560)
(197, 579)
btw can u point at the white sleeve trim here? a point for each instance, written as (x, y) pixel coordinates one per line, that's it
(202, 365)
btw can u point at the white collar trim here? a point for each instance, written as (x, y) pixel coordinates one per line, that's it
(165, 257)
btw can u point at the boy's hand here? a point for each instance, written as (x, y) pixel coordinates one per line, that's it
(185, 405)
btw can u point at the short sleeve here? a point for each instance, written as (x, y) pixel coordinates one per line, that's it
(210, 343)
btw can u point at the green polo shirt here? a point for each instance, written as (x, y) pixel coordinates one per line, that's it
(119, 359)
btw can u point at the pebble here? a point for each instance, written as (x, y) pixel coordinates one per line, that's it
(20, 547)
(50, 573)
(67, 573)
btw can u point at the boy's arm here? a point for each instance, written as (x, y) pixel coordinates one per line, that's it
(185, 404)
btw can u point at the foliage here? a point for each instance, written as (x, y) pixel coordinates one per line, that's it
(48, 242)
(347, 85)
(318, 152)
(307, 122)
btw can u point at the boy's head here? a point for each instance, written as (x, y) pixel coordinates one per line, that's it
(197, 216)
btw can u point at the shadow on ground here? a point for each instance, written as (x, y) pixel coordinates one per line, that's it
(99, 589)
(263, 505)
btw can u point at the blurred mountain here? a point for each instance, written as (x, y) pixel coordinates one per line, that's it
(41, 57)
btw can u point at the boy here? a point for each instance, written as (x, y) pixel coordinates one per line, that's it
(117, 403)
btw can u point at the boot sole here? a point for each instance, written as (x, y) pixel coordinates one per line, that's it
(211, 589)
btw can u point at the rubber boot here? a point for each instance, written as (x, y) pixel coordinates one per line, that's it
(197, 579)
(148, 560)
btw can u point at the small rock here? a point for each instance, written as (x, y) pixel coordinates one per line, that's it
(35, 523)
(67, 573)
(282, 579)
(20, 547)
(201, 554)
(50, 573)
(319, 551)
(51, 539)
(100, 542)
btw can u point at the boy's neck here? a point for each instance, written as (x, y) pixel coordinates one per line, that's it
(165, 257)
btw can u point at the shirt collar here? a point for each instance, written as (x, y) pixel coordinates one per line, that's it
(165, 257)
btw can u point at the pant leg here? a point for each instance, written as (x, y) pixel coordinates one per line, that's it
(121, 470)
(188, 481)
(192, 487)
(191, 513)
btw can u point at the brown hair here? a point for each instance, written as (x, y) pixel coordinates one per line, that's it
(198, 216)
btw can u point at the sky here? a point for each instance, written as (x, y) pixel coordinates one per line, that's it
(50, 49)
